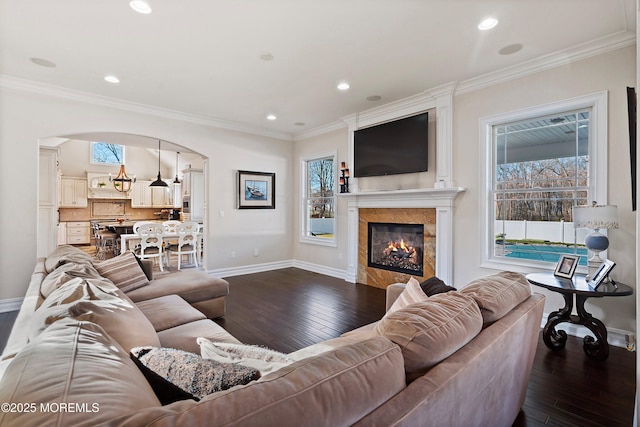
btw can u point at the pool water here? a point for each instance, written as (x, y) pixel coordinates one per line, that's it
(547, 253)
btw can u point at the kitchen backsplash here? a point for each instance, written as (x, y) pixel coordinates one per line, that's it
(108, 209)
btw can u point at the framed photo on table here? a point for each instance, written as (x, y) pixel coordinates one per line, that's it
(601, 273)
(256, 190)
(566, 266)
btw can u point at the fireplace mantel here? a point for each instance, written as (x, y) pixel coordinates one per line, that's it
(413, 198)
(442, 199)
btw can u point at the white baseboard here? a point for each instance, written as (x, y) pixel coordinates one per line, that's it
(250, 269)
(615, 337)
(10, 304)
(321, 269)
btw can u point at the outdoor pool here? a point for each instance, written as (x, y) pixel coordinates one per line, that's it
(546, 253)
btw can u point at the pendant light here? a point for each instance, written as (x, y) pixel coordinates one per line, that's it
(122, 182)
(176, 181)
(158, 182)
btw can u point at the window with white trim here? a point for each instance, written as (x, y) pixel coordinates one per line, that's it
(539, 164)
(318, 220)
(103, 153)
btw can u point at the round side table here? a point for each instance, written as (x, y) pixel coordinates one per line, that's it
(579, 289)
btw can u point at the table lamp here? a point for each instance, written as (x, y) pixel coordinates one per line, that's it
(595, 217)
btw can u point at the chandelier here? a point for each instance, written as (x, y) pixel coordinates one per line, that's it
(122, 182)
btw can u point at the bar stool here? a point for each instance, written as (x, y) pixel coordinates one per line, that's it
(106, 242)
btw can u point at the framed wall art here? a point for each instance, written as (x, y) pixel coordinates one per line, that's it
(256, 190)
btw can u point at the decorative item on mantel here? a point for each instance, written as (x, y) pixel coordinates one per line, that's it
(121, 182)
(344, 179)
(595, 217)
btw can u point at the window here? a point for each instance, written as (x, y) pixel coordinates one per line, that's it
(103, 153)
(319, 200)
(540, 163)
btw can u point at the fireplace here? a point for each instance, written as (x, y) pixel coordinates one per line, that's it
(396, 247)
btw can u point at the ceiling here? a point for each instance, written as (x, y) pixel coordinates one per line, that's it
(206, 58)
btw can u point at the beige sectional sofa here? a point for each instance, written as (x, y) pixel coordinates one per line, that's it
(460, 358)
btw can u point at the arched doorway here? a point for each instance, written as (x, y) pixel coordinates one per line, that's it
(72, 160)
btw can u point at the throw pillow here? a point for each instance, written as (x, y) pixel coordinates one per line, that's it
(263, 359)
(191, 372)
(65, 273)
(428, 332)
(434, 285)
(65, 254)
(166, 391)
(498, 294)
(98, 301)
(124, 271)
(412, 293)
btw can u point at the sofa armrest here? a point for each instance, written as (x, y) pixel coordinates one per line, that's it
(393, 292)
(147, 267)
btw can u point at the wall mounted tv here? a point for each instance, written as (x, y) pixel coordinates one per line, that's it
(391, 148)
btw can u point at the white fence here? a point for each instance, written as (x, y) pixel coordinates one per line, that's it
(541, 230)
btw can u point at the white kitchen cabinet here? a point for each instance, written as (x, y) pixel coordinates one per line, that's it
(193, 191)
(62, 234)
(162, 197)
(141, 194)
(78, 232)
(73, 193)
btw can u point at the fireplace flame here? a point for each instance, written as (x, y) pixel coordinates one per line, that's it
(395, 246)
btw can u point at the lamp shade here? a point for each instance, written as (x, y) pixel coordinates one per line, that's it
(595, 217)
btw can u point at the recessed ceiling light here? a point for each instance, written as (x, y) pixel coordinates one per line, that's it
(112, 79)
(510, 49)
(488, 24)
(43, 62)
(374, 98)
(343, 86)
(299, 123)
(266, 57)
(140, 6)
(271, 117)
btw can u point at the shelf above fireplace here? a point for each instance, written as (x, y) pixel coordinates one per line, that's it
(413, 198)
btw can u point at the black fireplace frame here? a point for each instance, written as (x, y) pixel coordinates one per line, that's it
(370, 263)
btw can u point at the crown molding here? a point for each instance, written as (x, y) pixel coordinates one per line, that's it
(38, 88)
(582, 51)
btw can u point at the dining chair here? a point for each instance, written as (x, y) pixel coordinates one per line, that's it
(106, 242)
(137, 225)
(170, 226)
(151, 242)
(187, 243)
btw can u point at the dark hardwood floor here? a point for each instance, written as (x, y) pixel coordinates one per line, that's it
(289, 309)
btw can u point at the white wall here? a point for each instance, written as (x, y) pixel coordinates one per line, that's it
(612, 72)
(27, 117)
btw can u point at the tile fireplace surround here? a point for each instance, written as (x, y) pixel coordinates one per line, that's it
(430, 206)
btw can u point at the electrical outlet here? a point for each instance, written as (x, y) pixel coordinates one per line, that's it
(233, 254)
(256, 252)
(630, 340)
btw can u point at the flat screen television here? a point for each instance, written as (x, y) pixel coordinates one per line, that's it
(392, 148)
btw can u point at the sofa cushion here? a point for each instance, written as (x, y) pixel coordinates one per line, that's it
(185, 336)
(434, 285)
(191, 372)
(64, 254)
(100, 302)
(124, 271)
(63, 274)
(192, 286)
(76, 363)
(498, 294)
(263, 359)
(412, 293)
(169, 311)
(427, 332)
